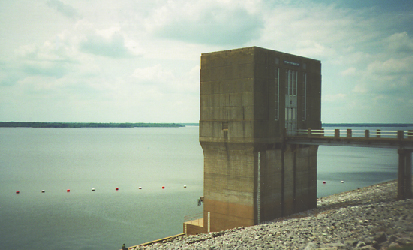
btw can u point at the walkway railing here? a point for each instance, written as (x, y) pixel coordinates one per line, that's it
(371, 138)
(401, 140)
(350, 133)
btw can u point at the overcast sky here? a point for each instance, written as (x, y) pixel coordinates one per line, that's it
(138, 60)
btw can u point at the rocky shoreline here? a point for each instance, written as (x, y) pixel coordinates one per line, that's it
(366, 218)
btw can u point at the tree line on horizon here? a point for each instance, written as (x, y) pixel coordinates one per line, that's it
(86, 125)
(164, 125)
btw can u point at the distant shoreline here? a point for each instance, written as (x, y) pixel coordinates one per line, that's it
(161, 125)
(87, 125)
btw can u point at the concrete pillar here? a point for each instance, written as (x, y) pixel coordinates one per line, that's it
(298, 179)
(312, 177)
(301, 179)
(289, 181)
(400, 176)
(378, 133)
(337, 133)
(270, 185)
(408, 175)
(404, 180)
(229, 185)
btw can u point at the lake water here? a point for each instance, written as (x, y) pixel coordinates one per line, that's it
(55, 160)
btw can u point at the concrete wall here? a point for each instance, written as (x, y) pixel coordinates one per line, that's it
(271, 185)
(288, 181)
(228, 185)
(192, 229)
(249, 174)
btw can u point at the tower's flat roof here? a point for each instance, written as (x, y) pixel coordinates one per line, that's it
(252, 49)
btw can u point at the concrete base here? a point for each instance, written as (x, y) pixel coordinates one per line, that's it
(245, 185)
(194, 227)
(288, 181)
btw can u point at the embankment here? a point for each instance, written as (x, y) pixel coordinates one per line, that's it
(366, 218)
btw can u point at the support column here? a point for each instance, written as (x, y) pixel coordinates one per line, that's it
(404, 181)
(400, 175)
(408, 176)
(288, 181)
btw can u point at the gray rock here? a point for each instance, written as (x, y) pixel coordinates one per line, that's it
(360, 244)
(310, 246)
(333, 226)
(352, 242)
(394, 245)
(368, 247)
(392, 238)
(381, 237)
(404, 241)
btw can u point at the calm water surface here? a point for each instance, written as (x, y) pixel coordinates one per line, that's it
(55, 160)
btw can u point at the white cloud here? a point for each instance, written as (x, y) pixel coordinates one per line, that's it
(391, 66)
(313, 49)
(334, 98)
(389, 76)
(166, 81)
(113, 47)
(65, 9)
(153, 74)
(316, 30)
(360, 89)
(400, 42)
(205, 22)
(349, 72)
(140, 59)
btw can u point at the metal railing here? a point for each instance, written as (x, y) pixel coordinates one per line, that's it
(350, 133)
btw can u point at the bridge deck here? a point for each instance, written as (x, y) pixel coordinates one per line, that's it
(401, 140)
(365, 138)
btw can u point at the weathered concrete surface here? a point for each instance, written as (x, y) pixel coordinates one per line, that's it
(250, 175)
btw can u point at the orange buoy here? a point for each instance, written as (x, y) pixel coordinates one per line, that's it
(163, 187)
(68, 190)
(324, 182)
(117, 189)
(17, 192)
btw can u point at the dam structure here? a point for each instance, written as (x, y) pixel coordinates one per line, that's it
(251, 99)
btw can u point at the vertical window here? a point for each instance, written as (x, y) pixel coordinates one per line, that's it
(277, 93)
(287, 82)
(291, 78)
(304, 97)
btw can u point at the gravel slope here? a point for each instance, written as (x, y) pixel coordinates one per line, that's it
(366, 218)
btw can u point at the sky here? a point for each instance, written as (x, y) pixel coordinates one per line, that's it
(138, 60)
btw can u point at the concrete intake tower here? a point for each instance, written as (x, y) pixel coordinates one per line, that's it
(250, 99)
